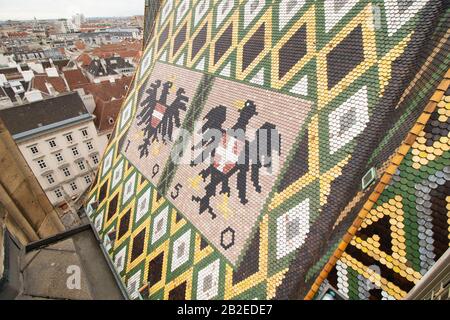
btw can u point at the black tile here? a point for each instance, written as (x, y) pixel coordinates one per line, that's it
(250, 263)
(254, 46)
(223, 44)
(298, 166)
(180, 38)
(380, 228)
(203, 243)
(155, 269)
(124, 225)
(199, 41)
(163, 37)
(178, 293)
(138, 245)
(102, 193)
(385, 272)
(292, 51)
(347, 55)
(112, 207)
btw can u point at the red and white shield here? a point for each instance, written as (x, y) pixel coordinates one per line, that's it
(158, 114)
(227, 153)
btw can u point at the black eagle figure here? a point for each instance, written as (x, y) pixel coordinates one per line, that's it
(158, 117)
(266, 141)
(214, 120)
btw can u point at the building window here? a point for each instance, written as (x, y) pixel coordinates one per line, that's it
(66, 172)
(84, 132)
(75, 151)
(50, 179)
(87, 179)
(42, 164)
(52, 143)
(69, 138)
(59, 157)
(89, 145)
(34, 149)
(58, 193)
(81, 165)
(95, 159)
(73, 185)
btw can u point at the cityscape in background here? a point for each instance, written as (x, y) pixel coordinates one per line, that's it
(62, 83)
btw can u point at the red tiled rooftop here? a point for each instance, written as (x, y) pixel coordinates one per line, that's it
(75, 78)
(124, 49)
(105, 112)
(106, 91)
(129, 53)
(17, 34)
(40, 80)
(80, 45)
(101, 54)
(85, 59)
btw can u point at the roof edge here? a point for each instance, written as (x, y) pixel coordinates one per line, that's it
(51, 127)
(385, 179)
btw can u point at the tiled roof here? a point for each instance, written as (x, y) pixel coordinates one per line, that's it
(80, 45)
(333, 92)
(124, 49)
(17, 34)
(40, 80)
(43, 113)
(75, 78)
(129, 53)
(107, 91)
(117, 63)
(85, 59)
(107, 66)
(98, 69)
(411, 173)
(60, 64)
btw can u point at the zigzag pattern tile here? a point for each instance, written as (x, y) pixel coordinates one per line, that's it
(322, 76)
(408, 228)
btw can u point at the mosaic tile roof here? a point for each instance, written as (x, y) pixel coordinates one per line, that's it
(316, 94)
(404, 227)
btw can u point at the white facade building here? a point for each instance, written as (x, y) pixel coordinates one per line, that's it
(59, 141)
(65, 26)
(77, 20)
